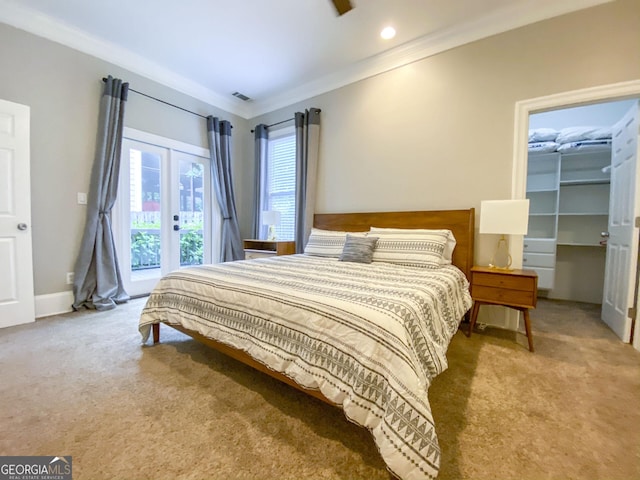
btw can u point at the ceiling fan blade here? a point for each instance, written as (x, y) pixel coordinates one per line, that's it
(342, 6)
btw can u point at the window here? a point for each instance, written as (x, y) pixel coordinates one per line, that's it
(279, 181)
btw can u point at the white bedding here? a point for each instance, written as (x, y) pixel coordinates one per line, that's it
(370, 337)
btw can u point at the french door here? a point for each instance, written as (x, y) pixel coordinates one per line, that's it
(163, 217)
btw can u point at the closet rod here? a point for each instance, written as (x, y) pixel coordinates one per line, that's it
(162, 101)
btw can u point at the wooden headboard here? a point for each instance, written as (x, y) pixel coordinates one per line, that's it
(460, 222)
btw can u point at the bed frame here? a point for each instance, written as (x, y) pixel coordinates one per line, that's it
(460, 222)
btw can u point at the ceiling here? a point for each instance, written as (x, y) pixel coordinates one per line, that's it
(276, 52)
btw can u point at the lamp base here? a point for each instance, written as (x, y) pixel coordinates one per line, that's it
(501, 259)
(502, 269)
(271, 234)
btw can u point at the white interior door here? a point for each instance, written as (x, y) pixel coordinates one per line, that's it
(163, 214)
(622, 244)
(16, 262)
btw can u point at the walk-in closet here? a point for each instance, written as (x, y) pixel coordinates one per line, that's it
(570, 193)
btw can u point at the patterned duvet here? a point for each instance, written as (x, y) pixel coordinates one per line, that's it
(370, 337)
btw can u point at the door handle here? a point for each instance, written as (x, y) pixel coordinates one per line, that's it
(22, 226)
(604, 234)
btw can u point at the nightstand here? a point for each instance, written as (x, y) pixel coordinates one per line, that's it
(267, 248)
(517, 289)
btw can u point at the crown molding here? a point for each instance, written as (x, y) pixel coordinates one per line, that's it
(34, 22)
(426, 46)
(516, 16)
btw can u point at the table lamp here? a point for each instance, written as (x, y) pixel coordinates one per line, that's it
(504, 217)
(272, 219)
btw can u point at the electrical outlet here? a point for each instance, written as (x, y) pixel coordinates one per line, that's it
(70, 277)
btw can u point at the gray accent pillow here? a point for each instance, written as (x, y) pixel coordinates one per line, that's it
(358, 249)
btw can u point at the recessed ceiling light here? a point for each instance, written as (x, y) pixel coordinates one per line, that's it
(388, 33)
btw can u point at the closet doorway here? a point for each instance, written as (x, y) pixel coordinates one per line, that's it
(572, 194)
(523, 108)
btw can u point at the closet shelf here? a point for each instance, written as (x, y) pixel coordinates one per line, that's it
(575, 244)
(594, 181)
(542, 190)
(581, 214)
(569, 198)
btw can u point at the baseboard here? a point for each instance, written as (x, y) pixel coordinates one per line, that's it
(53, 303)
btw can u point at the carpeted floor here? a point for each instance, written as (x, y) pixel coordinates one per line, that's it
(80, 384)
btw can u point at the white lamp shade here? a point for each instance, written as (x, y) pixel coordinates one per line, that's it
(504, 217)
(270, 217)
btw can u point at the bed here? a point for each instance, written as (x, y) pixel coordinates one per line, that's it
(367, 337)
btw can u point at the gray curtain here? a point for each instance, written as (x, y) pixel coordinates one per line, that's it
(219, 136)
(307, 146)
(261, 145)
(97, 282)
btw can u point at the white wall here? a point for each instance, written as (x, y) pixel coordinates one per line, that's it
(63, 88)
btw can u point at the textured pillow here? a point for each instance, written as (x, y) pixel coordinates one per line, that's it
(413, 247)
(358, 249)
(327, 243)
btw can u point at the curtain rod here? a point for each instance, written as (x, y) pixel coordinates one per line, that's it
(278, 123)
(283, 121)
(162, 101)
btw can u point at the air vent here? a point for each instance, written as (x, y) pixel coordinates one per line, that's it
(241, 96)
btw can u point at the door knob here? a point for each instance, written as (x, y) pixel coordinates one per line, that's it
(22, 226)
(604, 234)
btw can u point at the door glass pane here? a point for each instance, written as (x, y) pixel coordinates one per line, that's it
(191, 209)
(145, 192)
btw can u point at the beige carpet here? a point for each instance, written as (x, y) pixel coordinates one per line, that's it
(80, 384)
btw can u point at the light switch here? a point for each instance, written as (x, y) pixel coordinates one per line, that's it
(82, 198)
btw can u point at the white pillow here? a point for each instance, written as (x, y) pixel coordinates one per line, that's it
(543, 147)
(586, 145)
(542, 135)
(327, 243)
(413, 246)
(578, 134)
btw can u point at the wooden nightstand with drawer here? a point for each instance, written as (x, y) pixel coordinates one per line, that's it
(267, 248)
(516, 289)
